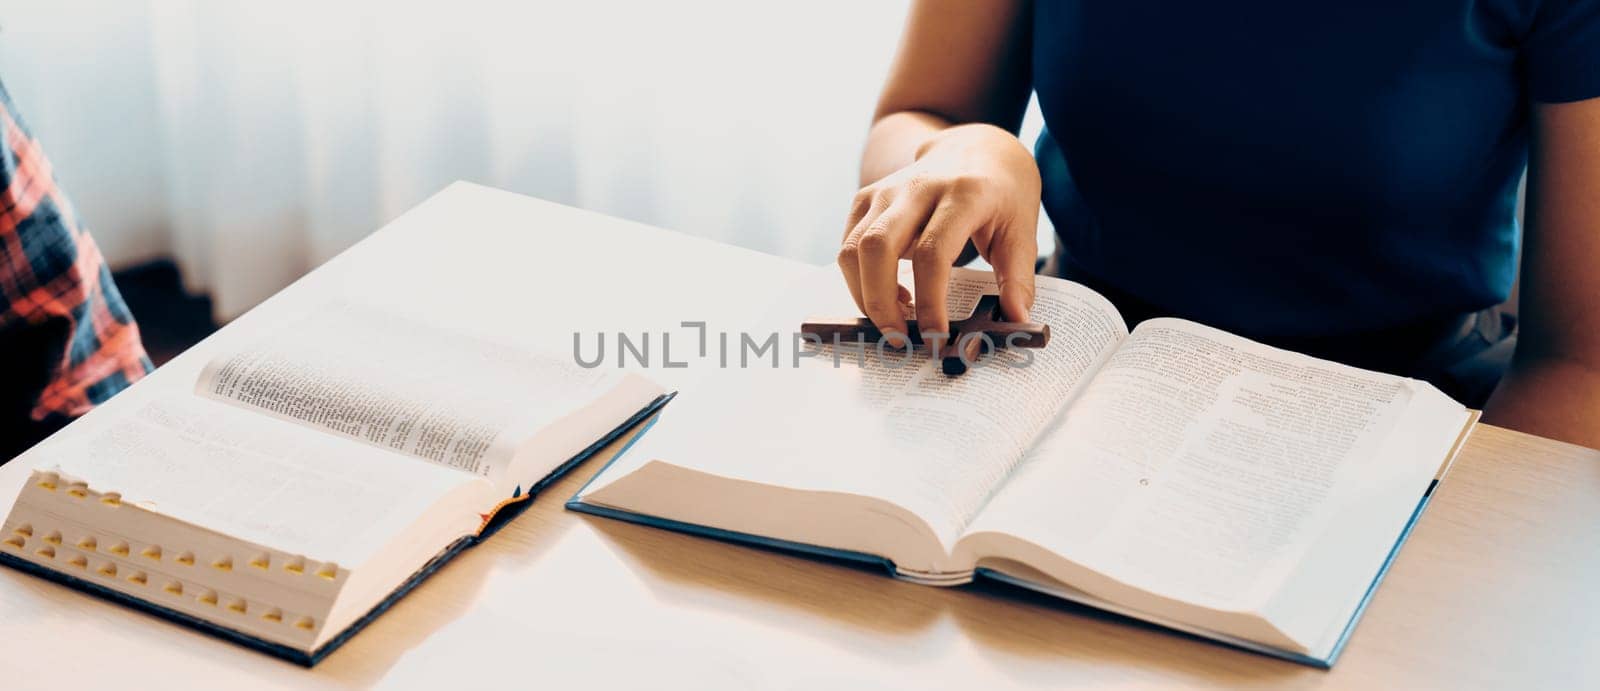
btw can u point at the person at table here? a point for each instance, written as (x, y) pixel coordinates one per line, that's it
(67, 340)
(1335, 178)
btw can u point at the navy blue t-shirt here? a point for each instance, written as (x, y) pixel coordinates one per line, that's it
(1294, 170)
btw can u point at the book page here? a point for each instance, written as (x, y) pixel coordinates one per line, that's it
(1200, 465)
(844, 420)
(403, 385)
(255, 478)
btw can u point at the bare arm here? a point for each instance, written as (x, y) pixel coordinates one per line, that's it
(943, 167)
(1553, 388)
(960, 62)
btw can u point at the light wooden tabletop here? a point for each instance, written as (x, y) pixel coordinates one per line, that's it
(1496, 587)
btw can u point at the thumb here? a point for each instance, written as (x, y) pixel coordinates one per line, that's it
(1013, 264)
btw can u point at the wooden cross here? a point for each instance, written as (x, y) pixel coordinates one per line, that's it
(966, 339)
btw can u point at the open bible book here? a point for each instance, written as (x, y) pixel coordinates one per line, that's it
(312, 477)
(1176, 474)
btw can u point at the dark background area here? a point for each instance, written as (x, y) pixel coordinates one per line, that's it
(170, 319)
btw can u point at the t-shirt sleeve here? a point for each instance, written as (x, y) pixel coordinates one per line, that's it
(1562, 51)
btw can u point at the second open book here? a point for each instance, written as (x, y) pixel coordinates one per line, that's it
(1176, 474)
(310, 473)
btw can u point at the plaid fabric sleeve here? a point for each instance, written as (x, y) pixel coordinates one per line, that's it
(56, 293)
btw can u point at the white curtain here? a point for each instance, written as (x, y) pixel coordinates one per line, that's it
(253, 141)
(296, 128)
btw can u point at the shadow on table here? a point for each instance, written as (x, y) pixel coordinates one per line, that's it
(771, 576)
(1016, 625)
(441, 599)
(434, 604)
(1028, 634)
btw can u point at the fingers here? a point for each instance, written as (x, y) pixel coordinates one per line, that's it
(861, 206)
(882, 242)
(932, 224)
(1013, 257)
(864, 208)
(935, 252)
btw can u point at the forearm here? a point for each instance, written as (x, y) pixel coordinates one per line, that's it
(958, 62)
(1553, 388)
(893, 142)
(1554, 397)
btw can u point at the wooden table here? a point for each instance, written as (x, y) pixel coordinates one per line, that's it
(1499, 586)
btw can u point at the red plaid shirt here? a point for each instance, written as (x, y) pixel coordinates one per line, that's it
(67, 341)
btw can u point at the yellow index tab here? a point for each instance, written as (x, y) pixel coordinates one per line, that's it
(25, 530)
(16, 541)
(87, 543)
(120, 549)
(138, 578)
(186, 559)
(54, 537)
(152, 553)
(223, 564)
